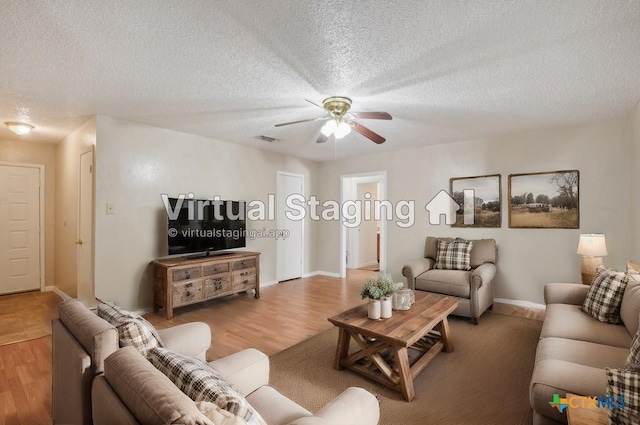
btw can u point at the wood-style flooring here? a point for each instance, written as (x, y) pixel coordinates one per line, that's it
(27, 315)
(285, 314)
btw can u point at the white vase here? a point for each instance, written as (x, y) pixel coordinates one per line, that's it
(374, 309)
(385, 307)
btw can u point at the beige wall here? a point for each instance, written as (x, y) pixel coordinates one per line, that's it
(67, 170)
(45, 154)
(635, 184)
(528, 258)
(137, 163)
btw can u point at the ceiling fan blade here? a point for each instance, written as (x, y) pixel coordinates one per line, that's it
(372, 115)
(375, 137)
(301, 121)
(315, 104)
(324, 139)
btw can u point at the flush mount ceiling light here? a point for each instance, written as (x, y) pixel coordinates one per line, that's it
(19, 128)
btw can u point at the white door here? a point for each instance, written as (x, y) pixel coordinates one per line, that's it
(368, 229)
(19, 228)
(289, 250)
(85, 230)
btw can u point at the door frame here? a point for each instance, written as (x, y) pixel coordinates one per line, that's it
(278, 224)
(346, 181)
(41, 211)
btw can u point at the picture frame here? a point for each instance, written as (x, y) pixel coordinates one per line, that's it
(486, 208)
(545, 200)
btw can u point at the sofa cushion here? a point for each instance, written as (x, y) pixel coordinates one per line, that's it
(568, 321)
(624, 387)
(605, 295)
(581, 352)
(559, 377)
(447, 282)
(217, 415)
(454, 255)
(200, 382)
(630, 307)
(98, 337)
(133, 329)
(147, 393)
(266, 397)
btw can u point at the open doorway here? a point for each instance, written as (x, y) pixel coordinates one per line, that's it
(363, 244)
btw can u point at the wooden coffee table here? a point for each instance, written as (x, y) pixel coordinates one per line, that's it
(385, 347)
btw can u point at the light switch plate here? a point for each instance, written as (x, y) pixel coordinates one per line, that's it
(111, 208)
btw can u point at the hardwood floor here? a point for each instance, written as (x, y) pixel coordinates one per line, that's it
(27, 315)
(285, 314)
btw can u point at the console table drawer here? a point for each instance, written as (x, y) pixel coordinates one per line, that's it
(245, 279)
(215, 285)
(247, 263)
(186, 273)
(209, 269)
(187, 293)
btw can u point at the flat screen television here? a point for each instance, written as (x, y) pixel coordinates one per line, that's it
(202, 226)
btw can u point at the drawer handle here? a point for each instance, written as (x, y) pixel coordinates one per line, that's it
(188, 276)
(246, 281)
(188, 294)
(188, 285)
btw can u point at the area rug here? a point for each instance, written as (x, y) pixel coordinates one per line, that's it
(484, 381)
(27, 315)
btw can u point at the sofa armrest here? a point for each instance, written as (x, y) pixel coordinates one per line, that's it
(248, 369)
(355, 406)
(191, 339)
(565, 293)
(414, 268)
(484, 273)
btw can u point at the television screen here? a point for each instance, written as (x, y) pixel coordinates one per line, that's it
(196, 225)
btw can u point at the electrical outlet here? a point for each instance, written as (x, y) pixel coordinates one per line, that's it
(111, 208)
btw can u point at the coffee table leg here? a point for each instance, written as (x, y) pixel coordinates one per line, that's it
(404, 370)
(343, 348)
(443, 327)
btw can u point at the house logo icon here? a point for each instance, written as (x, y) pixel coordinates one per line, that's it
(442, 205)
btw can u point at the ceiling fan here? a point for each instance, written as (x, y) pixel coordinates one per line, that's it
(340, 121)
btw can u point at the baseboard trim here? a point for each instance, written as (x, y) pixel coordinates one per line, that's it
(321, 273)
(271, 283)
(59, 292)
(520, 303)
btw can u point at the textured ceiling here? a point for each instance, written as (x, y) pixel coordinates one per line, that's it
(230, 70)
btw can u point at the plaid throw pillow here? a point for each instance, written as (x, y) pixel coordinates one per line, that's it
(133, 329)
(633, 360)
(201, 383)
(624, 387)
(454, 255)
(605, 295)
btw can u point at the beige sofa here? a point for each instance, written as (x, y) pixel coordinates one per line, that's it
(473, 288)
(97, 382)
(574, 348)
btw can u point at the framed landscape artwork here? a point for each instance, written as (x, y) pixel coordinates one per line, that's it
(547, 200)
(479, 200)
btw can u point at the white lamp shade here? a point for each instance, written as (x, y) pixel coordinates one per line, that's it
(342, 130)
(592, 245)
(329, 128)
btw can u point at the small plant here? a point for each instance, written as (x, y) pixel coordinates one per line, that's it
(378, 287)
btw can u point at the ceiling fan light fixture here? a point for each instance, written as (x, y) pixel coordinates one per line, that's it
(329, 128)
(19, 128)
(342, 130)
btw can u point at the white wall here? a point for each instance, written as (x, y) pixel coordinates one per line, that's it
(45, 154)
(136, 163)
(528, 258)
(68, 153)
(635, 184)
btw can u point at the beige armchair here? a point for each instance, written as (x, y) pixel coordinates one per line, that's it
(474, 288)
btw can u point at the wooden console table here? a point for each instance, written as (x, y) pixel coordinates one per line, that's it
(182, 281)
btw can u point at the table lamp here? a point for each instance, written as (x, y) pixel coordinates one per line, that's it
(592, 247)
